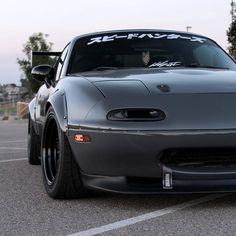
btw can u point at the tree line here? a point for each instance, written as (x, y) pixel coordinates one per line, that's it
(37, 42)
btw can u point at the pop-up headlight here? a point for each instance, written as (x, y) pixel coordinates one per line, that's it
(136, 114)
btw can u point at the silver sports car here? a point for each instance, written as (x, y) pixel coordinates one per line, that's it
(135, 111)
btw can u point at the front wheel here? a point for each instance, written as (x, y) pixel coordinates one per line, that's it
(61, 175)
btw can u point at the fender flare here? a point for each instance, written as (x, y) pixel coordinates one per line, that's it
(58, 102)
(31, 107)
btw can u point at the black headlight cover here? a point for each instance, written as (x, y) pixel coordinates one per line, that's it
(136, 114)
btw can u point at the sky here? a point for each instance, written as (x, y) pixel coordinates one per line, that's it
(64, 19)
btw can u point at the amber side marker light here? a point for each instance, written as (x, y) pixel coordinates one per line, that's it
(82, 138)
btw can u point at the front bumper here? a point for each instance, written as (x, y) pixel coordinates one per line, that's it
(131, 161)
(129, 185)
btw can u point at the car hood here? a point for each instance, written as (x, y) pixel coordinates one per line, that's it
(192, 99)
(159, 81)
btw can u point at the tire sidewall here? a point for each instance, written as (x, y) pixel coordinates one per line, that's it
(33, 145)
(53, 188)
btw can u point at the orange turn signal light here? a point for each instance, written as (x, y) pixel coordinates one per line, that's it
(82, 138)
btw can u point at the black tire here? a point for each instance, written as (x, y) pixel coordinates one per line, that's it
(33, 145)
(61, 175)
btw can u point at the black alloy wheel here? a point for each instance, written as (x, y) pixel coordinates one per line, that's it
(61, 174)
(51, 152)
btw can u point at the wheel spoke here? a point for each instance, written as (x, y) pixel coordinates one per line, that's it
(50, 166)
(55, 158)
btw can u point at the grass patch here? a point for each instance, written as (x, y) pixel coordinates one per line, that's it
(7, 110)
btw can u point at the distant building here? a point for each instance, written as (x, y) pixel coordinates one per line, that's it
(12, 90)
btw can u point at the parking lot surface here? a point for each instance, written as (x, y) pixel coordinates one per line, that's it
(25, 208)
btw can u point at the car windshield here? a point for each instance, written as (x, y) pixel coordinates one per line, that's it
(122, 50)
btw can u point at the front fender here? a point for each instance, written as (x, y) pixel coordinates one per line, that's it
(58, 102)
(32, 109)
(80, 97)
(72, 100)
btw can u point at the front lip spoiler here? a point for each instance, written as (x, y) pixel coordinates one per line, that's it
(119, 184)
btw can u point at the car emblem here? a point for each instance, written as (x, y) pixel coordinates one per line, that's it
(164, 88)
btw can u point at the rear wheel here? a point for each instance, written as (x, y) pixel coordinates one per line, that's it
(33, 145)
(61, 174)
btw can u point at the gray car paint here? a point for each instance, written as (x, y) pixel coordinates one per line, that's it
(199, 107)
(203, 99)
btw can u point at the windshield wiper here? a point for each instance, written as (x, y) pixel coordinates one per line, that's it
(194, 65)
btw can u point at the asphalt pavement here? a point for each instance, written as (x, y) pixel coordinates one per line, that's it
(25, 208)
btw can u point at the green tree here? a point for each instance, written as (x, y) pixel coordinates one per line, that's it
(231, 33)
(36, 42)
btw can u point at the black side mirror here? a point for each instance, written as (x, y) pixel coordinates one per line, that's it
(43, 73)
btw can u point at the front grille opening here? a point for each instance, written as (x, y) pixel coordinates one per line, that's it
(144, 182)
(204, 157)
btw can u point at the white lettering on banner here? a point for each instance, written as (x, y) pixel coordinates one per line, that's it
(121, 36)
(130, 36)
(197, 39)
(144, 35)
(159, 36)
(108, 38)
(95, 40)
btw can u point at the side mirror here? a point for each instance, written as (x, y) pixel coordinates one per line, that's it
(41, 72)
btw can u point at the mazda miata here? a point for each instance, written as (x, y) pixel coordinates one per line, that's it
(135, 111)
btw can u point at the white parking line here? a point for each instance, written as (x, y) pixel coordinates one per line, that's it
(148, 216)
(14, 141)
(11, 160)
(11, 148)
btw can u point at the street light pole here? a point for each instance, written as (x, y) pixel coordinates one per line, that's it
(188, 28)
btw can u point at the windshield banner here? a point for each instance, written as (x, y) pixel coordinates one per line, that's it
(108, 38)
